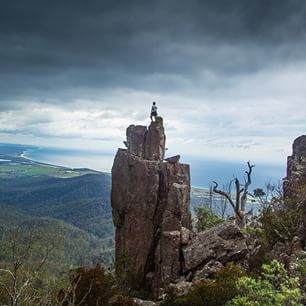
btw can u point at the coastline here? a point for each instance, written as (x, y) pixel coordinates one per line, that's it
(202, 171)
(68, 159)
(44, 164)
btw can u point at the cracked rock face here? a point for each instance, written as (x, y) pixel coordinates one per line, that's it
(222, 243)
(134, 196)
(295, 182)
(150, 204)
(155, 140)
(147, 143)
(296, 168)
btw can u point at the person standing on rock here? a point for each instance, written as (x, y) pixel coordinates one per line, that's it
(153, 111)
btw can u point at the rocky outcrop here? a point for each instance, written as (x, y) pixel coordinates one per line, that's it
(135, 135)
(135, 185)
(295, 181)
(296, 169)
(221, 243)
(150, 202)
(155, 140)
(208, 270)
(148, 144)
(173, 159)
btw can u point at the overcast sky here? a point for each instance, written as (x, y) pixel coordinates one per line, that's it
(229, 77)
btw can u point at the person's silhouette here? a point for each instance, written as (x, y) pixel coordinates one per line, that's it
(153, 111)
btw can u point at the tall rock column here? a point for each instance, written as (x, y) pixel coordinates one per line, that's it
(172, 214)
(295, 182)
(150, 204)
(155, 141)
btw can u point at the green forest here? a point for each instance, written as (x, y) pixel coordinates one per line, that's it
(53, 219)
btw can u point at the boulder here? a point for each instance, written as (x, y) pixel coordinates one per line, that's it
(196, 253)
(208, 270)
(179, 289)
(186, 235)
(223, 242)
(173, 159)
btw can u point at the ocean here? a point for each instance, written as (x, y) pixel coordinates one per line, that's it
(203, 171)
(72, 158)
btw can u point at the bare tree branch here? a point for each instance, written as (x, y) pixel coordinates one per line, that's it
(248, 182)
(238, 191)
(223, 193)
(241, 194)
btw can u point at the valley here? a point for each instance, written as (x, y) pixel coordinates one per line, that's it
(71, 204)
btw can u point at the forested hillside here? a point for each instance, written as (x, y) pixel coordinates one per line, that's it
(69, 208)
(81, 201)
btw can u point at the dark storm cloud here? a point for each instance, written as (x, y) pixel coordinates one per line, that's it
(48, 48)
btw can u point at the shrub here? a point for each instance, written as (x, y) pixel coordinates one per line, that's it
(280, 225)
(88, 286)
(273, 287)
(215, 292)
(256, 261)
(298, 269)
(205, 219)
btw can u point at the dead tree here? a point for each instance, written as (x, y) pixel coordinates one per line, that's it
(239, 198)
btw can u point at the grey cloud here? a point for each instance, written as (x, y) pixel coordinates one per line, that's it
(62, 49)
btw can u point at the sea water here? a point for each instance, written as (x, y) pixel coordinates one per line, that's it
(203, 171)
(73, 158)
